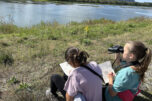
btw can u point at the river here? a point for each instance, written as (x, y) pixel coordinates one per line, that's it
(28, 14)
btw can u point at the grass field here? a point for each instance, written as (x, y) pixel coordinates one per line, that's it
(28, 56)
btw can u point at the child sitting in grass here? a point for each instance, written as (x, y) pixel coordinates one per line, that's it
(128, 79)
(81, 81)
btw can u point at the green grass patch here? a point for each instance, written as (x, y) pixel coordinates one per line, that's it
(86, 42)
(149, 42)
(7, 28)
(6, 57)
(37, 51)
(13, 80)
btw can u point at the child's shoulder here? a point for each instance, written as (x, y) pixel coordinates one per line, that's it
(126, 71)
(93, 63)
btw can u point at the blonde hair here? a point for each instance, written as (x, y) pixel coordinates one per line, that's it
(142, 55)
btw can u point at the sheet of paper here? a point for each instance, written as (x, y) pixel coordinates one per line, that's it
(106, 68)
(67, 68)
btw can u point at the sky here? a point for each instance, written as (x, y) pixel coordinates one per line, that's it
(143, 0)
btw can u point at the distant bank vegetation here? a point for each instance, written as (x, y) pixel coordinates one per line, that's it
(111, 2)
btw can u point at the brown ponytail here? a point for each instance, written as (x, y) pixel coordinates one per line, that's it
(82, 58)
(75, 56)
(144, 64)
(143, 56)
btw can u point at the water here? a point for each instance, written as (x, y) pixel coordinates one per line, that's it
(28, 14)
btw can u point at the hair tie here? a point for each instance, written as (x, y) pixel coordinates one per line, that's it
(74, 56)
(143, 56)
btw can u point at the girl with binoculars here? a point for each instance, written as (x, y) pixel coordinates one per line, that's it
(125, 85)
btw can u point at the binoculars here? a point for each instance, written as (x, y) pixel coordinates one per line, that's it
(116, 49)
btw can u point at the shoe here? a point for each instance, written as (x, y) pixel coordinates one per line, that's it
(49, 94)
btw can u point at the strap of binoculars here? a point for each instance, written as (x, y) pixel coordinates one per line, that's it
(93, 72)
(129, 64)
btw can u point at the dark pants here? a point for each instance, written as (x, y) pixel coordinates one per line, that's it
(103, 93)
(57, 84)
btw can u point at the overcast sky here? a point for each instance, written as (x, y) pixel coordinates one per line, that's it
(143, 0)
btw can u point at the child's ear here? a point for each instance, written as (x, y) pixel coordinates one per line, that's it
(132, 56)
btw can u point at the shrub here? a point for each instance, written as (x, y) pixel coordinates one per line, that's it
(22, 40)
(24, 86)
(74, 32)
(13, 80)
(149, 42)
(54, 36)
(4, 44)
(7, 28)
(86, 42)
(6, 58)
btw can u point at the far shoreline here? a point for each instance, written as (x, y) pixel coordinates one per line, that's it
(97, 2)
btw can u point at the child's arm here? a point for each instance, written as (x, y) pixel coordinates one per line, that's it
(69, 98)
(111, 92)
